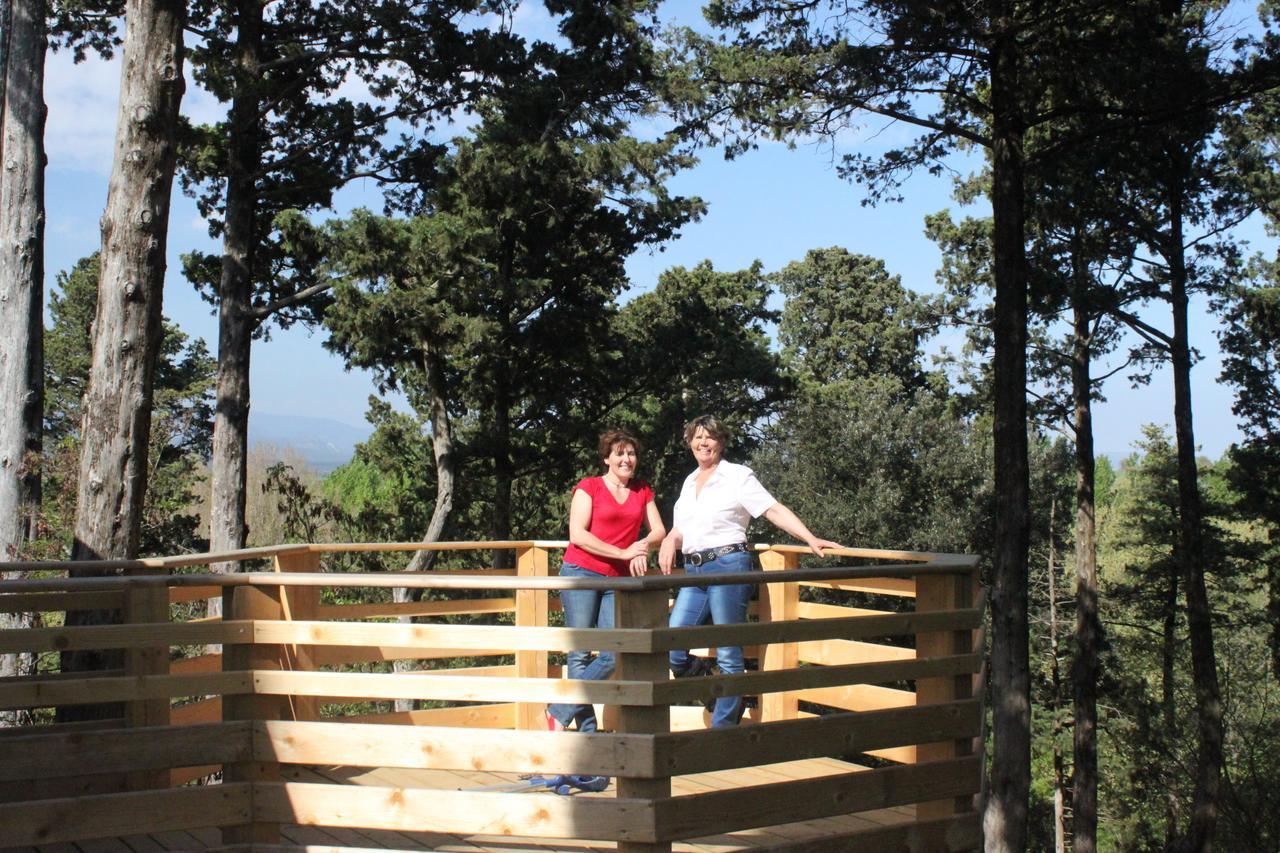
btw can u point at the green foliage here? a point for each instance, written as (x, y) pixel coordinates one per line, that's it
(181, 422)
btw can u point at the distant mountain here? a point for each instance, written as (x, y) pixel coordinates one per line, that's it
(323, 443)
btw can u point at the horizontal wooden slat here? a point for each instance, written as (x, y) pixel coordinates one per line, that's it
(83, 784)
(459, 689)
(124, 636)
(905, 587)
(463, 637)
(714, 812)
(859, 697)
(51, 755)
(831, 735)
(815, 610)
(840, 652)
(848, 628)
(53, 602)
(138, 813)
(469, 716)
(460, 812)
(82, 690)
(183, 594)
(962, 832)
(804, 678)
(416, 608)
(453, 749)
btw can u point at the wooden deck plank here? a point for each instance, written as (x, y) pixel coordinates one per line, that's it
(316, 838)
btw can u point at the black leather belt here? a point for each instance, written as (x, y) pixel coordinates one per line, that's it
(697, 558)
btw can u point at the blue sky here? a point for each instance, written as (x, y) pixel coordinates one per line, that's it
(772, 204)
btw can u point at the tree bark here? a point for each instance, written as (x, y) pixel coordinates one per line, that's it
(22, 116)
(1005, 817)
(442, 449)
(1204, 666)
(1084, 675)
(127, 331)
(1168, 704)
(236, 322)
(1055, 681)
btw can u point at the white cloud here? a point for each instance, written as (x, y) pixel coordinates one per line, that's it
(82, 100)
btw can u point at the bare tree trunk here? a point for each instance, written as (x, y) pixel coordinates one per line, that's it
(1084, 675)
(442, 450)
(1055, 681)
(1204, 665)
(1168, 703)
(1005, 817)
(22, 117)
(127, 332)
(236, 321)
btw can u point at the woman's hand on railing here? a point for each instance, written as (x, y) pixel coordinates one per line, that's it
(667, 552)
(639, 565)
(816, 545)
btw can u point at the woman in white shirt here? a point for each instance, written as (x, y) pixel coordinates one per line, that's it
(716, 503)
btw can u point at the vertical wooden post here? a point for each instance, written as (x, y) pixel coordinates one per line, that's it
(147, 604)
(300, 604)
(779, 602)
(531, 611)
(933, 593)
(644, 609)
(256, 603)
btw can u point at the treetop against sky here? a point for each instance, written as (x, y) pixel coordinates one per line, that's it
(772, 204)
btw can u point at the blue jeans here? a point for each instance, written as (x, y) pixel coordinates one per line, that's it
(725, 605)
(584, 608)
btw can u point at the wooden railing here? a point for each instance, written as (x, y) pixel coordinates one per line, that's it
(899, 688)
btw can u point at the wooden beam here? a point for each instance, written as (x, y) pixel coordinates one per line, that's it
(463, 638)
(55, 602)
(904, 587)
(831, 735)
(714, 812)
(840, 652)
(78, 691)
(805, 678)
(123, 636)
(644, 611)
(110, 815)
(792, 630)
(453, 749)
(455, 812)
(860, 697)
(467, 716)
(413, 685)
(44, 756)
(814, 610)
(780, 605)
(531, 621)
(945, 835)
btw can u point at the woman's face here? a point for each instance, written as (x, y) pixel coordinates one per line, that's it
(705, 447)
(621, 461)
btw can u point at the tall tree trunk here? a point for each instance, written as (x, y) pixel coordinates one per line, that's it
(503, 473)
(1168, 702)
(236, 321)
(127, 332)
(1005, 818)
(1088, 641)
(22, 115)
(442, 449)
(126, 339)
(1055, 682)
(1204, 665)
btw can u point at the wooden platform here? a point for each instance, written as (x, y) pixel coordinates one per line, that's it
(320, 839)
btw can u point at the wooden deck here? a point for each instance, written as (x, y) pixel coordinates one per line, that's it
(330, 838)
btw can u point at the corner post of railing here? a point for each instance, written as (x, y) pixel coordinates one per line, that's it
(779, 602)
(935, 592)
(646, 609)
(531, 612)
(300, 604)
(253, 603)
(147, 604)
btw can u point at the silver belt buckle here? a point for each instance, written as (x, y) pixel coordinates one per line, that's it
(695, 559)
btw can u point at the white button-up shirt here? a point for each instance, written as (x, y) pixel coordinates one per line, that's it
(720, 514)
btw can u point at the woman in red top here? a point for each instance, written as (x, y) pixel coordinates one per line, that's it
(604, 529)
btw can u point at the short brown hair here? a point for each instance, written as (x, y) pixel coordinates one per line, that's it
(611, 437)
(711, 424)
